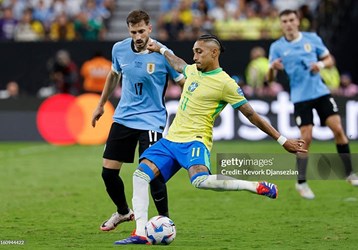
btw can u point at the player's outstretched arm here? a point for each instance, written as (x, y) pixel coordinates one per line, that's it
(291, 145)
(111, 83)
(176, 62)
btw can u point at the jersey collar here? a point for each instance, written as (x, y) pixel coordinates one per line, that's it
(212, 72)
(297, 39)
(142, 52)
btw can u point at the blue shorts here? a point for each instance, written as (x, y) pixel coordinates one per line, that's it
(170, 156)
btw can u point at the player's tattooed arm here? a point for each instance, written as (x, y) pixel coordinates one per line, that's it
(256, 120)
(291, 145)
(176, 62)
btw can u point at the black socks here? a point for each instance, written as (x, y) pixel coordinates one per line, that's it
(159, 193)
(301, 165)
(115, 189)
(344, 153)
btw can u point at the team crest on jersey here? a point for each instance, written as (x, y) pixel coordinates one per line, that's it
(150, 68)
(193, 86)
(307, 47)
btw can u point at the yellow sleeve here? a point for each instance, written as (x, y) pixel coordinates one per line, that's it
(233, 94)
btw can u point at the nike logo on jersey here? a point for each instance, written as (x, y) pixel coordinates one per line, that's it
(123, 65)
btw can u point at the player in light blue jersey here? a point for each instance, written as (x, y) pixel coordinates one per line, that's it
(140, 116)
(302, 55)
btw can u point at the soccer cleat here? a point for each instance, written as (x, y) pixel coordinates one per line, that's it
(116, 219)
(353, 179)
(304, 190)
(133, 239)
(267, 189)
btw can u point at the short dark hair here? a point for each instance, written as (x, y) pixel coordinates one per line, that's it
(287, 12)
(210, 37)
(136, 16)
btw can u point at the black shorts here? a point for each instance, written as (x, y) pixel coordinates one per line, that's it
(325, 107)
(122, 142)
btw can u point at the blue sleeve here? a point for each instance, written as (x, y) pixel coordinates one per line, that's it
(115, 64)
(321, 49)
(273, 53)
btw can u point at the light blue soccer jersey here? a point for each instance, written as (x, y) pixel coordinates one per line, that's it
(144, 81)
(297, 56)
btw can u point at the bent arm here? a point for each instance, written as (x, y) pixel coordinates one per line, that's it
(274, 67)
(176, 62)
(111, 82)
(328, 61)
(181, 82)
(324, 62)
(271, 75)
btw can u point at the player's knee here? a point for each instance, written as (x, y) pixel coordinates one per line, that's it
(109, 174)
(144, 172)
(198, 179)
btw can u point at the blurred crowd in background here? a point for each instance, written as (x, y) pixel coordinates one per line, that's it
(179, 20)
(55, 20)
(229, 19)
(38, 20)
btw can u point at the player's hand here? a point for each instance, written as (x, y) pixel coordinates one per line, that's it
(99, 111)
(295, 146)
(153, 46)
(277, 64)
(315, 68)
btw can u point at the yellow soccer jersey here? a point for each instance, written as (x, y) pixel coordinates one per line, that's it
(204, 96)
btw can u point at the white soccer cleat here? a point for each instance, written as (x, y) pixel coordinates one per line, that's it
(304, 190)
(353, 179)
(116, 219)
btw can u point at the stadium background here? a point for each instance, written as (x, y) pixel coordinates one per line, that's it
(52, 197)
(27, 62)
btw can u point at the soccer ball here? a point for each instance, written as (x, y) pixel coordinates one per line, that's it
(160, 230)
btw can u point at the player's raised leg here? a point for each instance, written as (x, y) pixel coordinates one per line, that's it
(200, 178)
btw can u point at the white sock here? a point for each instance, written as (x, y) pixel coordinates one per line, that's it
(222, 182)
(140, 202)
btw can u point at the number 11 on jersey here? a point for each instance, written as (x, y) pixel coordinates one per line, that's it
(195, 152)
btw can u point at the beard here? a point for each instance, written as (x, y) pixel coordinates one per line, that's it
(142, 44)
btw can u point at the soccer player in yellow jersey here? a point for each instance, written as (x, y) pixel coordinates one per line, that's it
(207, 90)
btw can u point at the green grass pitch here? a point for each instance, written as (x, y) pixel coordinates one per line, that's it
(53, 198)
